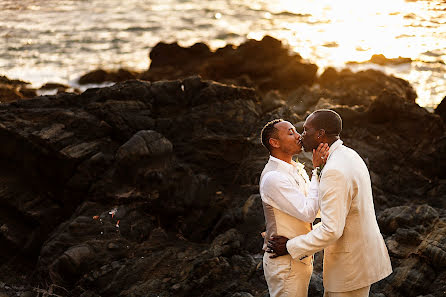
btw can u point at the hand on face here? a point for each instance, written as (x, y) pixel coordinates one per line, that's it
(320, 154)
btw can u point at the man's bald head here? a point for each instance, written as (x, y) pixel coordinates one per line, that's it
(327, 119)
(322, 126)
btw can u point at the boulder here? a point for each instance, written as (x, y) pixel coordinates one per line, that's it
(100, 75)
(153, 186)
(441, 109)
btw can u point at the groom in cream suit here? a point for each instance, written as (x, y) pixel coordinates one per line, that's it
(355, 255)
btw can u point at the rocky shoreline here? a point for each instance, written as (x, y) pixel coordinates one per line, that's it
(150, 187)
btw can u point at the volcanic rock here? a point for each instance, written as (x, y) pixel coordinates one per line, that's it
(266, 65)
(363, 87)
(152, 187)
(13, 89)
(99, 76)
(441, 109)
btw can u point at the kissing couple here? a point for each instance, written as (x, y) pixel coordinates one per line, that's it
(355, 254)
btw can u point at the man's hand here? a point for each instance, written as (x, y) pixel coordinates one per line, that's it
(277, 246)
(320, 155)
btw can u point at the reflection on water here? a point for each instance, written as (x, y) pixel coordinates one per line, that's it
(58, 40)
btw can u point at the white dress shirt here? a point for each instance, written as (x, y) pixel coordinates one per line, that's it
(291, 191)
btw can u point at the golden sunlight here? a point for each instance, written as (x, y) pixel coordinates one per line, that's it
(357, 29)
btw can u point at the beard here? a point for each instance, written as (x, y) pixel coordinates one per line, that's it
(308, 147)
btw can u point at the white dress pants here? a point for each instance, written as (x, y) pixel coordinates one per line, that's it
(287, 277)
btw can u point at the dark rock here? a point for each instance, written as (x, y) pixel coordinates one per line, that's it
(13, 89)
(144, 144)
(242, 294)
(433, 246)
(253, 222)
(265, 64)
(97, 202)
(71, 264)
(316, 287)
(441, 109)
(271, 101)
(407, 216)
(49, 86)
(363, 87)
(94, 77)
(99, 76)
(5, 80)
(175, 56)
(382, 60)
(225, 244)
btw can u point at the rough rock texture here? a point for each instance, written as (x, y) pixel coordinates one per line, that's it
(382, 60)
(13, 89)
(151, 188)
(441, 109)
(362, 88)
(266, 65)
(100, 75)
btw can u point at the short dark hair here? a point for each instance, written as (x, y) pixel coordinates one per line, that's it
(329, 120)
(268, 132)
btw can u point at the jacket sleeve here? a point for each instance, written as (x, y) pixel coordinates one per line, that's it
(278, 192)
(335, 205)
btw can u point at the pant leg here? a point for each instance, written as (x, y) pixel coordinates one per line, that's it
(362, 292)
(286, 277)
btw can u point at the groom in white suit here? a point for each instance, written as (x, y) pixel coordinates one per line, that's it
(355, 255)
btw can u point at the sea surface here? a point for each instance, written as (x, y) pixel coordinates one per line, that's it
(59, 40)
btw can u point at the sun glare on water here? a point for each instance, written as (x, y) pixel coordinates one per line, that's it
(353, 30)
(333, 33)
(58, 41)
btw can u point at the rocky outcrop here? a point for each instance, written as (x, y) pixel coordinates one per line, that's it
(417, 245)
(99, 76)
(152, 187)
(441, 109)
(265, 65)
(363, 87)
(13, 89)
(380, 59)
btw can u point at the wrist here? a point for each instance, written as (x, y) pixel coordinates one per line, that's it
(317, 171)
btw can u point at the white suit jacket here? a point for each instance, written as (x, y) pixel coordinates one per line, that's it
(355, 254)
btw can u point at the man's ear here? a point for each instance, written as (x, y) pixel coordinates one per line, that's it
(321, 133)
(274, 143)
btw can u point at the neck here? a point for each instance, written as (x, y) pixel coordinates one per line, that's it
(281, 156)
(331, 140)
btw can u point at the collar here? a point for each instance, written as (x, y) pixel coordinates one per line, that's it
(289, 168)
(334, 146)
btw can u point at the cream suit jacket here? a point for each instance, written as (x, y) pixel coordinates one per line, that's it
(355, 254)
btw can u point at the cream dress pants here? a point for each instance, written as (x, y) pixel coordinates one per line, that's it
(362, 292)
(287, 277)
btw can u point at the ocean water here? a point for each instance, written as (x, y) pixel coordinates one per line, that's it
(59, 40)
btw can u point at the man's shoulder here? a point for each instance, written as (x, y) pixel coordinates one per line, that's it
(344, 161)
(274, 176)
(339, 159)
(344, 152)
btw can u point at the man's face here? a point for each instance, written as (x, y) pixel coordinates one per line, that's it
(288, 138)
(309, 137)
